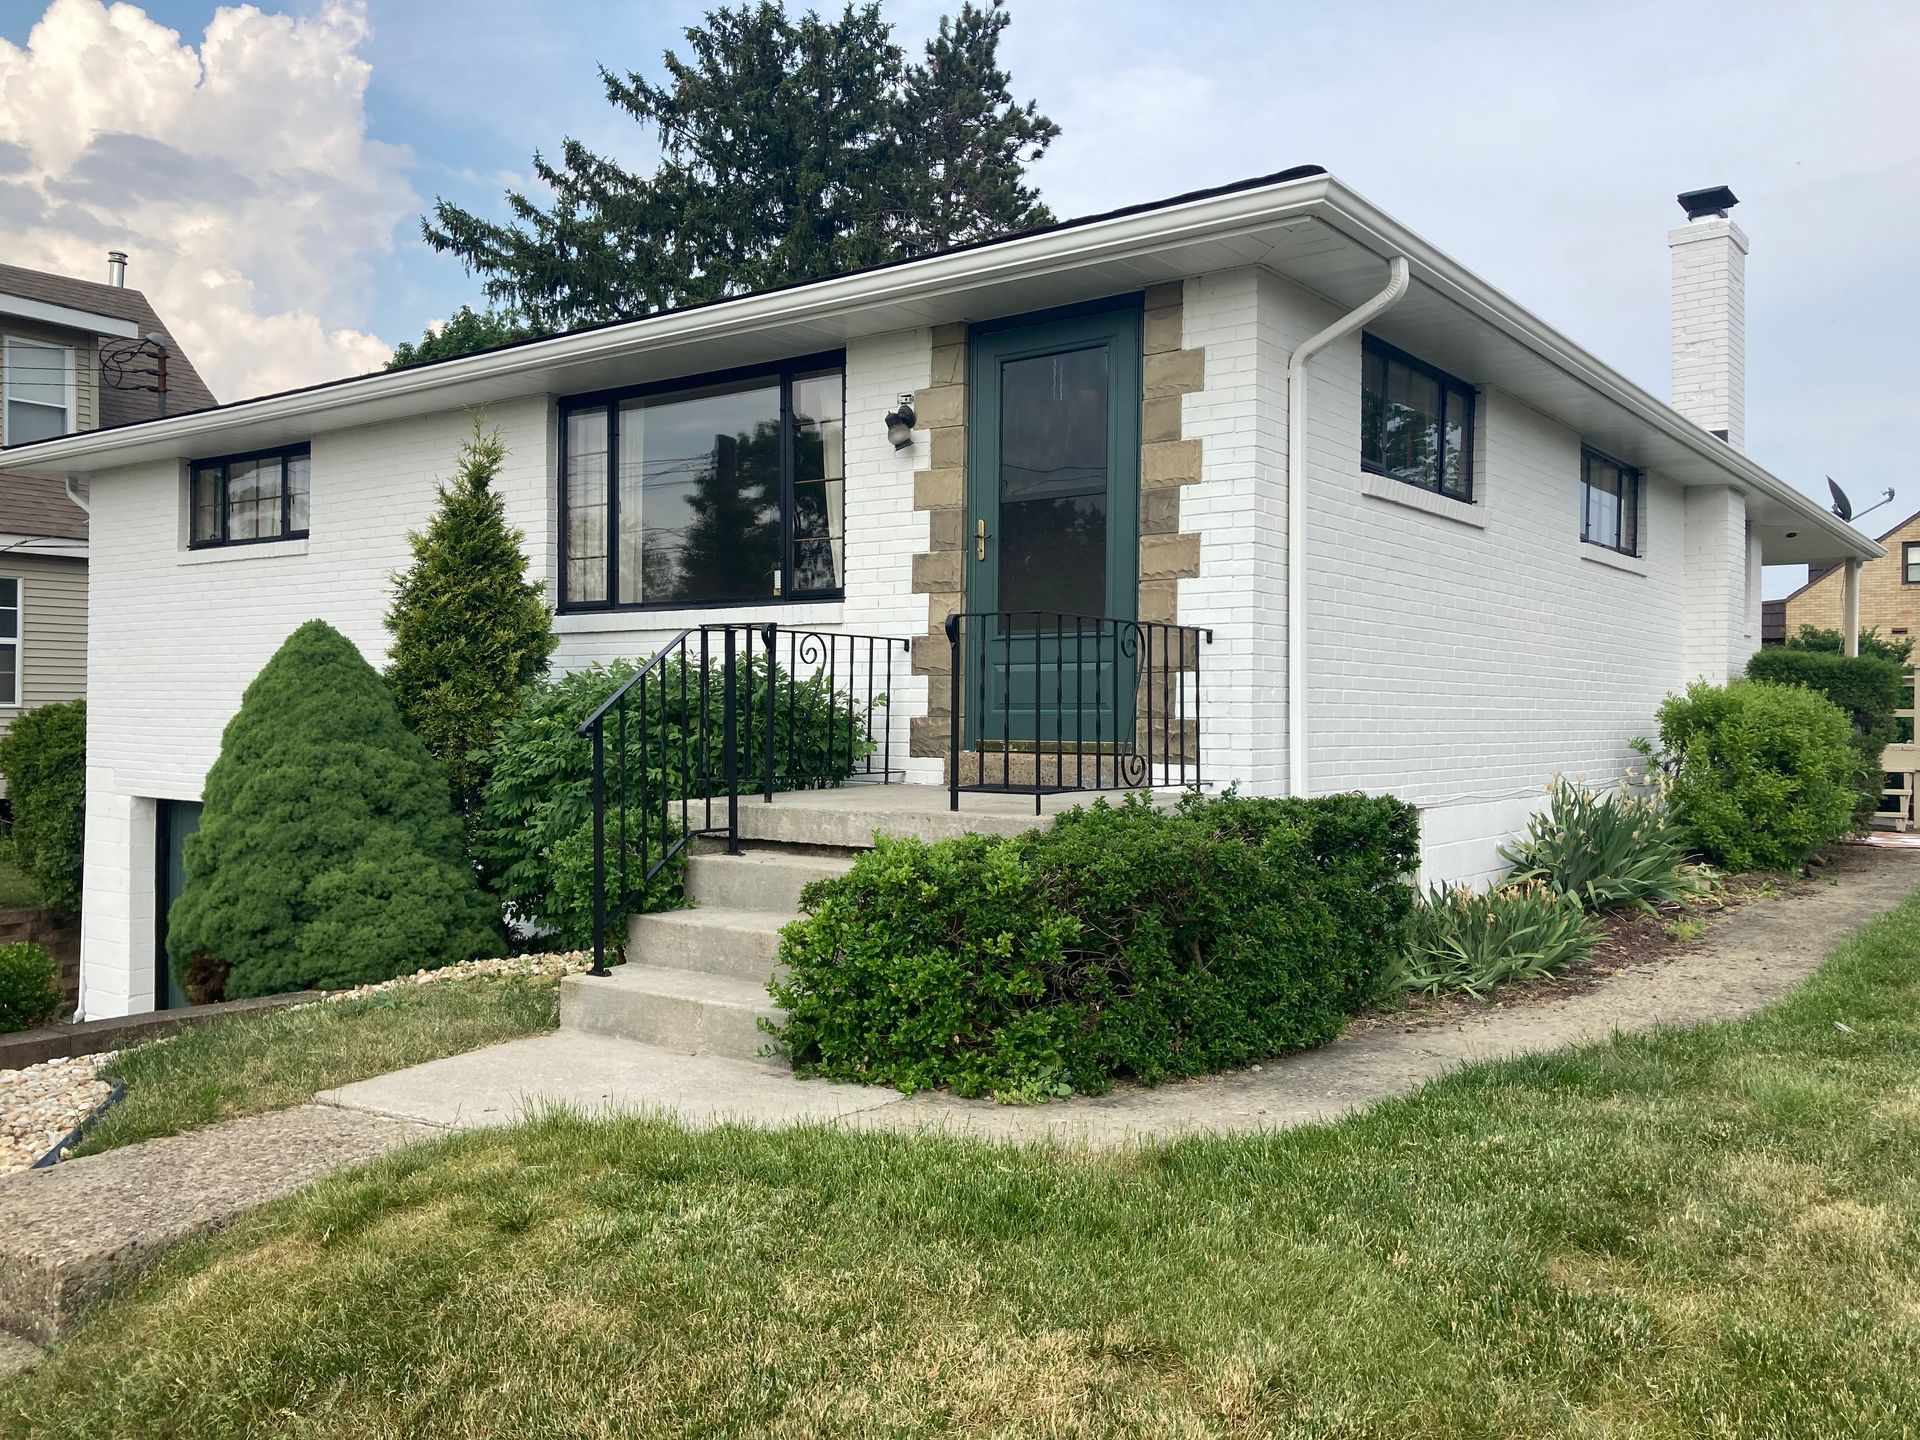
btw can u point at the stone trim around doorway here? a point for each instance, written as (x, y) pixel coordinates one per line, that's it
(1168, 461)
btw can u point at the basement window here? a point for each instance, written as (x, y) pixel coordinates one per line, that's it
(1416, 422)
(245, 499)
(1609, 503)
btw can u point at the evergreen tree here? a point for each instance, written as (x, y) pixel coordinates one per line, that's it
(327, 853)
(469, 629)
(790, 149)
(466, 331)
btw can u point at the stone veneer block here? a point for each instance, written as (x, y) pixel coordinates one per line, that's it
(1160, 419)
(942, 489)
(1161, 331)
(941, 405)
(1159, 602)
(1169, 462)
(1174, 372)
(1159, 511)
(938, 570)
(1165, 557)
(946, 528)
(947, 448)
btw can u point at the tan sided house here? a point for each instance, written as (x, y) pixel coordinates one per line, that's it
(1889, 592)
(75, 356)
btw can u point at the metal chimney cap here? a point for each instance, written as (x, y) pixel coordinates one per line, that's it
(1701, 203)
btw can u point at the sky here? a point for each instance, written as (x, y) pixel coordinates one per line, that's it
(266, 165)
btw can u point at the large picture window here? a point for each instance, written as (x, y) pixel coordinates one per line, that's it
(241, 499)
(709, 492)
(1416, 422)
(1609, 503)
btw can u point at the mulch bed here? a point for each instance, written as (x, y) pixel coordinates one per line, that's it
(1630, 939)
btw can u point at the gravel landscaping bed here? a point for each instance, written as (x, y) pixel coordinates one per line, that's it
(41, 1104)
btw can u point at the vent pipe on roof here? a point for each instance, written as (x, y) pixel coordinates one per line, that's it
(117, 268)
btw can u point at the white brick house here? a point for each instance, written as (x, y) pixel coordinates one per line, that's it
(1453, 624)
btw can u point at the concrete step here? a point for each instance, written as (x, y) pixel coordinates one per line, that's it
(690, 1012)
(740, 944)
(759, 879)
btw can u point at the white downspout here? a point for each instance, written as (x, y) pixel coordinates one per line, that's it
(77, 498)
(80, 995)
(1397, 281)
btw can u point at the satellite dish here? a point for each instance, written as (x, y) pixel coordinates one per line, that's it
(1842, 506)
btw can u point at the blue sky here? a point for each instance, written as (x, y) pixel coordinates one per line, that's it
(1541, 145)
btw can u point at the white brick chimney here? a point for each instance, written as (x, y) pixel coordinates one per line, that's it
(1710, 316)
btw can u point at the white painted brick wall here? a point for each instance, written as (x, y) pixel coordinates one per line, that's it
(1710, 326)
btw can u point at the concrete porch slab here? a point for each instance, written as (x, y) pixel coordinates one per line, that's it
(599, 1075)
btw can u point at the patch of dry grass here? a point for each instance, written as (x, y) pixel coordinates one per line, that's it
(1714, 1232)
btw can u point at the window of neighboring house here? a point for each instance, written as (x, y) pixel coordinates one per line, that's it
(42, 398)
(242, 499)
(1416, 422)
(9, 641)
(1910, 562)
(706, 492)
(1609, 503)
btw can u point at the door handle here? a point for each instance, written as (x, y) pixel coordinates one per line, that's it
(979, 539)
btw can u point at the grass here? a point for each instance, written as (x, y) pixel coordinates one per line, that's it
(266, 1062)
(16, 889)
(1713, 1232)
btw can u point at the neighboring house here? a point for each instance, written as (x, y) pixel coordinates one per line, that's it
(1889, 592)
(1441, 549)
(75, 356)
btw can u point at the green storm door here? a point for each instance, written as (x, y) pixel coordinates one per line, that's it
(1053, 538)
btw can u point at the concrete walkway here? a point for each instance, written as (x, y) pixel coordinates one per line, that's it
(1746, 961)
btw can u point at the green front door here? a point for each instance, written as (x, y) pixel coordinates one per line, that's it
(1053, 535)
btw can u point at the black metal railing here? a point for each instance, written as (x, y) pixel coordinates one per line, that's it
(1041, 701)
(719, 709)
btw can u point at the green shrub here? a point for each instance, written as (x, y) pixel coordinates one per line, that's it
(1812, 637)
(1868, 688)
(44, 758)
(1458, 940)
(1761, 775)
(534, 834)
(328, 853)
(470, 631)
(30, 991)
(1602, 848)
(1122, 941)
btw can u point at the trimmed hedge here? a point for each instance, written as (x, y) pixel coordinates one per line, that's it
(1124, 941)
(44, 757)
(1868, 688)
(1762, 775)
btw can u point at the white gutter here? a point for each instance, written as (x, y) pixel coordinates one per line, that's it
(1398, 279)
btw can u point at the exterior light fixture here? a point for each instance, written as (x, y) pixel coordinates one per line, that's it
(900, 424)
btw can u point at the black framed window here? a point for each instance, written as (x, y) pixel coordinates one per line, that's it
(1910, 562)
(1416, 422)
(717, 490)
(243, 499)
(1609, 503)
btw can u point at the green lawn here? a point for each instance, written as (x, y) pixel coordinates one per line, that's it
(267, 1062)
(1704, 1233)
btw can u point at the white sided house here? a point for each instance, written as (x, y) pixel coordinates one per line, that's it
(1355, 519)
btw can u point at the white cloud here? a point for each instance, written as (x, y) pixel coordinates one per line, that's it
(238, 175)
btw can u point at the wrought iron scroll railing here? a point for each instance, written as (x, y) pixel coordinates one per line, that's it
(1041, 701)
(718, 710)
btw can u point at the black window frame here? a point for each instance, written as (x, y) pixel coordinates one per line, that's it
(1449, 384)
(1907, 547)
(283, 453)
(786, 371)
(1629, 513)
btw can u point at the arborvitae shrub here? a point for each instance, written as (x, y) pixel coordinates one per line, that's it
(328, 853)
(44, 757)
(470, 631)
(1867, 687)
(1123, 941)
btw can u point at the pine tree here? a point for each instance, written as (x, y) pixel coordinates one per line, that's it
(469, 629)
(790, 149)
(327, 853)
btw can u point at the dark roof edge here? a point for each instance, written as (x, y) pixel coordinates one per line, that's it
(1278, 177)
